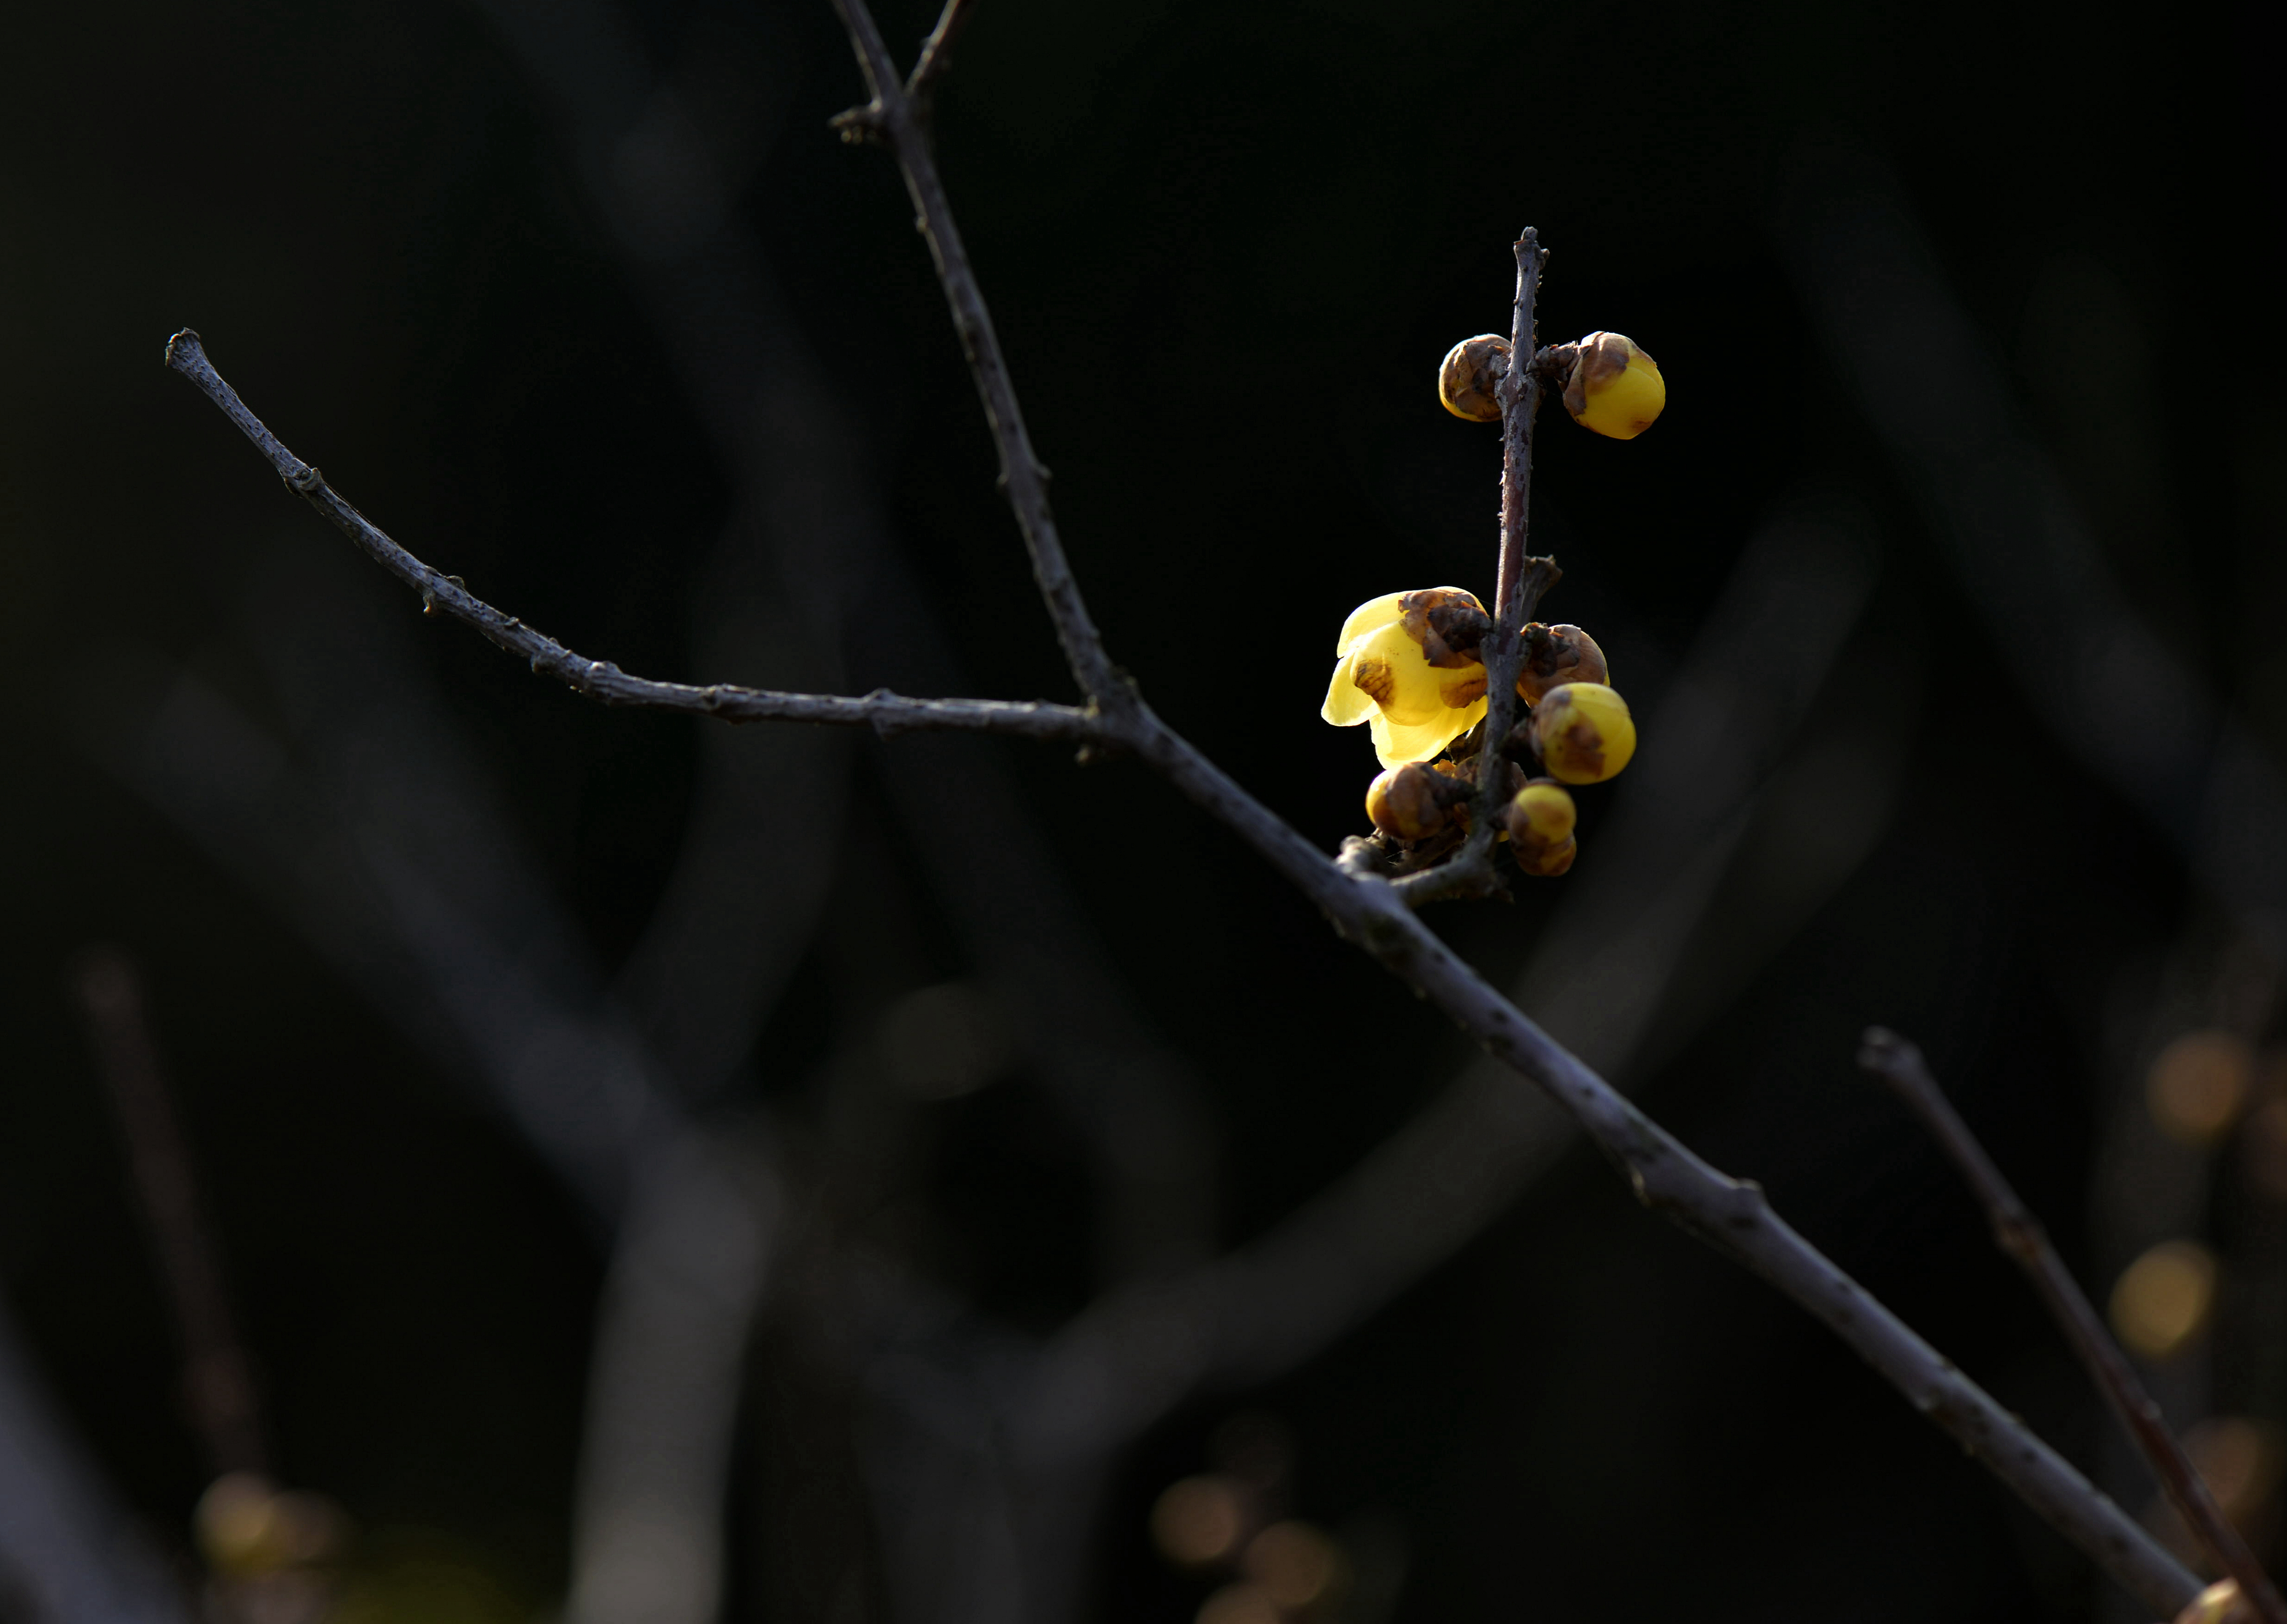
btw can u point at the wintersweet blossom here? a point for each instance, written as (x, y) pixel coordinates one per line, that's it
(1408, 666)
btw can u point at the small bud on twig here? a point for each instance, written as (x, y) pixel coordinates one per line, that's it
(1582, 732)
(1554, 654)
(1613, 387)
(1472, 373)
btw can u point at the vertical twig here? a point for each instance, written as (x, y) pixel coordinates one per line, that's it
(1519, 579)
(2018, 1233)
(219, 1383)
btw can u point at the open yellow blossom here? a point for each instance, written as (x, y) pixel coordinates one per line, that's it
(1408, 666)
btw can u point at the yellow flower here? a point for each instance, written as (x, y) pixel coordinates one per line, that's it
(1408, 665)
(1614, 388)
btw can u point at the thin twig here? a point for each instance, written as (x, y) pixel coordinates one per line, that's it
(1519, 581)
(885, 712)
(2018, 1233)
(217, 1378)
(937, 56)
(892, 117)
(1732, 1215)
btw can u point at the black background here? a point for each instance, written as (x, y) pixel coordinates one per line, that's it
(1225, 244)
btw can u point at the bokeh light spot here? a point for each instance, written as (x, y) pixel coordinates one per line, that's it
(2164, 1299)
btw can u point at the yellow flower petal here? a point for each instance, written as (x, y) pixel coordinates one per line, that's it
(1347, 704)
(1390, 667)
(1370, 616)
(1396, 743)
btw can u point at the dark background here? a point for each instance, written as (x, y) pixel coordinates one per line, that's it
(1225, 245)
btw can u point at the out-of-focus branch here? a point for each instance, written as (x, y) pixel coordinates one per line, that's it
(687, 1279)
(218, 1380)
(2060, 618)
(885, 712)
(68, 1552)
(2019, 1234)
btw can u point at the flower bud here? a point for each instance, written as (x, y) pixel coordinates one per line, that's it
(1541, 812)
(1406, 804)
(1582, 732)
(1613, 387)
(1448, 623)
(1546, 862)
(1540, 817)
(1474, 370)
(1557, 654)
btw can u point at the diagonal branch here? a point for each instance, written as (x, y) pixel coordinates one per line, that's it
(2018, 1233)
(218, 1379)
(884, 712)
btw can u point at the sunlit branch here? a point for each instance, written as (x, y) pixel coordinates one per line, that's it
(2018, 1233)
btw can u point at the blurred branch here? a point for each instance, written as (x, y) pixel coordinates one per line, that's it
(218, 1380)
(2058, 616)
(2019, 1234)
(68, 1552)
(686, 1280)
(885, 712)
(810, 502)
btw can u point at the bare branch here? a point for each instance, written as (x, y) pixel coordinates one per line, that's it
(1730, 1215)
(1733, 1217)
(217, 1379)
(937, 56)
(2018, 1233)
(884, 712)
(892, 115)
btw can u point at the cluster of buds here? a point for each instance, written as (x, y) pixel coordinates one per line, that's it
(1411, 664)
(1611, 386)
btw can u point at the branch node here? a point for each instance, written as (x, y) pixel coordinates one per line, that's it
(860, 126)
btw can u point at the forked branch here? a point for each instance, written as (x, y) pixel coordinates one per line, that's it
(884, 712)
(1729, 1214)
(2018, 1233)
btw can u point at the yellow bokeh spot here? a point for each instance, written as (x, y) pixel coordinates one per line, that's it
(2163, 1299)
(1296, 1564)
(2219, 1604)
(2198, 1084)
(1200, 1520)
